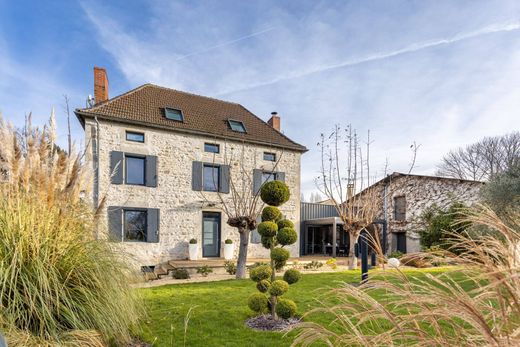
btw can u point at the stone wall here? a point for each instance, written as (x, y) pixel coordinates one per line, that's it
(420, 193)
(180, 207)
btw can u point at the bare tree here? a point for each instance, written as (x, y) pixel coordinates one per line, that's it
(342, 168)
(242, 206)
(483, 160)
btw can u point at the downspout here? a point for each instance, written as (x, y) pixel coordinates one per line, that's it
(385, 215)
(96, 173)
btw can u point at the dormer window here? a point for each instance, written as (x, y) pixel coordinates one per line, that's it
(173, 114)
(237, 126)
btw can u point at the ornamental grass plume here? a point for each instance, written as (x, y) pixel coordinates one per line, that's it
(58, 284)
(474, 304)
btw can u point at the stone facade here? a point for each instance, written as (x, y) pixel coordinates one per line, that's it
(417, 193)
(180, 207)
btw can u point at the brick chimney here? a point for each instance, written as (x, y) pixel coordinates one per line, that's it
(274, 121)
(100, 84)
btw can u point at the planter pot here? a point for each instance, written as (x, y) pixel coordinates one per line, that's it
(194, 251)
(229, 249)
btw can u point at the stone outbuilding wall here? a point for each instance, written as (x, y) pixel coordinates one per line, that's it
(406, 197)
(181, 207)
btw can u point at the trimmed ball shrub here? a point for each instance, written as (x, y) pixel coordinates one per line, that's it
(292, 276)
(257, 302)
(263, 286)
(267, 229)
(278, 288)
(286, 308)
(280, 256)
(287, 236)
(180, 274)
(267, 241)
(285, 223)
(275, 193)
(271, 213)
(261, 272)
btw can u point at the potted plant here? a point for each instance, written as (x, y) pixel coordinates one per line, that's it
(229, 249)
(194, 249)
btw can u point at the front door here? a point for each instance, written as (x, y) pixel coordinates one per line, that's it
(210, 234)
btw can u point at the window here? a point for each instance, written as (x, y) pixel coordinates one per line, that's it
(269, 156)
(237, 126)
(211, 148)
(211, 176)
(134, 136)
(173, 114)
(135, 225)
(135, 170)
(400, 208)
(268, 176)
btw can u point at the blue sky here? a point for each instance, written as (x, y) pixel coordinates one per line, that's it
(441, 73)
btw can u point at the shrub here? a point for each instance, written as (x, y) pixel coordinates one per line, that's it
(228, 242)
(280, 256)
(275, 193)
(278, 288)
(267, 242)
(441, 224)
(271, 213)
(286, 308)
(257, 264)
(292, 276)
(267, 229)
(286, 236)
(257, 302)
(230, 267)
(58, 284)
(285, 223)
(180, 274)
(263, 286)
(204, 270)
(193, 241)
(313, 265)
(261, 272)
(333, 263)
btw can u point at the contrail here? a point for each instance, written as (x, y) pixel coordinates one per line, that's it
(495, 28)
(225, 43)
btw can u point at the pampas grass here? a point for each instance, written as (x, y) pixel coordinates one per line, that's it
(58, 285)
(476, 304)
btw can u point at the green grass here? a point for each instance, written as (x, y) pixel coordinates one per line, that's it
(219, 310)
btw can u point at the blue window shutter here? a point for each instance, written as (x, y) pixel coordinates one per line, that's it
(280, 176)
(196, 176)
(151, 171)
(224, 179)
(152, 226)
(117, 161)
(257, 181)
(115, 223)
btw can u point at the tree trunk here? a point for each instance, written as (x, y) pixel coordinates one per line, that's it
(273, 298)
(242, 252)
(352, 263)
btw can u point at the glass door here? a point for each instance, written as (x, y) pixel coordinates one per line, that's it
(210, 234)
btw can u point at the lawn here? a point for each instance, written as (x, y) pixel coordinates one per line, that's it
(219, 309)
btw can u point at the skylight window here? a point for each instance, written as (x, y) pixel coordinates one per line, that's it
(237, 126)
(173, 114)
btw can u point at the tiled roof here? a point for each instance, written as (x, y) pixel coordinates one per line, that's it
(202, 115)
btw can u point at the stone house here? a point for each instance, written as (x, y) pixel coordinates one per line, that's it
(159, 157)
(405, 197)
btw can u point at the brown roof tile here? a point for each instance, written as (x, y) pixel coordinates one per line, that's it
(145, 105)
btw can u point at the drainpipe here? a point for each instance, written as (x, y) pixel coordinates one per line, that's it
(96, 173)
(385, 215)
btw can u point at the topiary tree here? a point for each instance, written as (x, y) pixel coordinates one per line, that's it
(276, 233)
